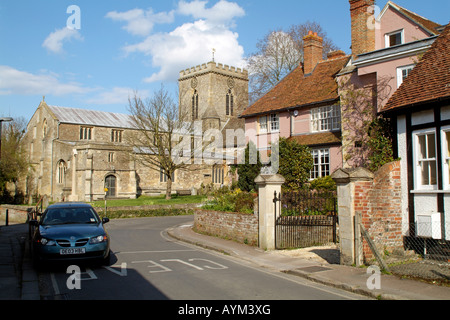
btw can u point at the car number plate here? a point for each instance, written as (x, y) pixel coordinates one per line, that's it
(72, 251)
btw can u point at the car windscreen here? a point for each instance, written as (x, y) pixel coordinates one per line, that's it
(56, 216)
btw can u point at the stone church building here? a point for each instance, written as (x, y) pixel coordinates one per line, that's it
(76, 153)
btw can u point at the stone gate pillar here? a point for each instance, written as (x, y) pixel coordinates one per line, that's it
(267, 186)
(349, 235)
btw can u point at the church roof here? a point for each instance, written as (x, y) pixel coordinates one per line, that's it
(92, 117)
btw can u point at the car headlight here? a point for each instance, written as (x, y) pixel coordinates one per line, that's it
(47, 242)
(98, 239)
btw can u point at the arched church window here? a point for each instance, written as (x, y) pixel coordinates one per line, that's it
(195, 105)
(61, 172)
(44, 128)
(229, 103)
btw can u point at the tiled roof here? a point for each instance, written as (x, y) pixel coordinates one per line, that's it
(428, 25)
(316, 139)
(429, 81)
(296, 89)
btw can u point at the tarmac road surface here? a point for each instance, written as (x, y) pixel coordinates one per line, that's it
(147, 264)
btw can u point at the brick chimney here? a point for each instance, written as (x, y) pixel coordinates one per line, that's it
(312, 51)
(363, 37)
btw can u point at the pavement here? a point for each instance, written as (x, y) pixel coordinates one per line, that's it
(348, 278)
(19, 281)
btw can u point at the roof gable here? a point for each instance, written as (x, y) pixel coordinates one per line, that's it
(429, 81)
(298, 89)
(426, 24)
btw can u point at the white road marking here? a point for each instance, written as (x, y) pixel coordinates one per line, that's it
(157, 251)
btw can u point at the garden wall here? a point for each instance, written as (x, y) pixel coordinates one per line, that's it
(369, 204)
(16, 214)
(379, 204)
(242, 228)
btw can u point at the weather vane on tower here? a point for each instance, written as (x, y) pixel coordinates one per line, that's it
(213, 52)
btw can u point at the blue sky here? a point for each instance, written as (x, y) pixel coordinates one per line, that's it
(136, 45)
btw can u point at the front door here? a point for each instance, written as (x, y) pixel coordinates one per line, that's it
(110, 184)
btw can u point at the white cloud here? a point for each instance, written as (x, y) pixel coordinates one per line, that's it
(140, 22)
(191, 44)
(222, 12)
(13, 81)
(54, 42)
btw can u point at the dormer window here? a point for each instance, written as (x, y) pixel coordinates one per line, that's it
(394, 38)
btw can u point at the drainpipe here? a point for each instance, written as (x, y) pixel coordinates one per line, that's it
(52, 170)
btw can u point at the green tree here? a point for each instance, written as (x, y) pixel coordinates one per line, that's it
(13, 162)
(250, 169)
(380, 143)
(295, 163)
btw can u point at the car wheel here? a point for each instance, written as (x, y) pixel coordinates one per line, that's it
(106, 260)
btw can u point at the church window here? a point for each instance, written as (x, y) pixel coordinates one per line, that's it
(163, 177)
(111, 157)
(195, 105)
(116, 135)
(229, 103)
(217, 175)
(85, 133)
(44, 128)
(61, 172)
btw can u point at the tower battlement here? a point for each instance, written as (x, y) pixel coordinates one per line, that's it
(216, 68)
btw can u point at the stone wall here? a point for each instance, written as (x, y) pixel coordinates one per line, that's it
(16, 214)
(242, 228)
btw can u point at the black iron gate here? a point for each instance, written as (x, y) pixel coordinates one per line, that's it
(308, 218)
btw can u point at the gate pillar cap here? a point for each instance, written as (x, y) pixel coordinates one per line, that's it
(263, 179)
(345, 175)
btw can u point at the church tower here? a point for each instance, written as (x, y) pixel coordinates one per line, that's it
(213, 93)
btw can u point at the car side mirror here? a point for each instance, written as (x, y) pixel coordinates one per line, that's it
(105, 220)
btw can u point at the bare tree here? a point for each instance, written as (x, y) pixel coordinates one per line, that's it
(298, 32)
(279, 53)
(162, 135)
(277, 56)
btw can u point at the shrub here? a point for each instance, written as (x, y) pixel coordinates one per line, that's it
(244, 202)
(295, 163)
(225, 199)
(323, 184)
(248, 171)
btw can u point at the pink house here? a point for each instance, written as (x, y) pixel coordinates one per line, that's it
(399, 38)
(303, 106)
(308, 105)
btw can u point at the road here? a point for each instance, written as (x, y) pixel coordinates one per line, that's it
(146, 264)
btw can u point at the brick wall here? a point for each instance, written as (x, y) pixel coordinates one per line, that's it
(242, 228)
(379, 205)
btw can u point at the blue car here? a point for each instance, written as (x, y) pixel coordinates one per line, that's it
(69, 232)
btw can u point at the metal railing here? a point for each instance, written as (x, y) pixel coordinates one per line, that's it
(308, 218)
